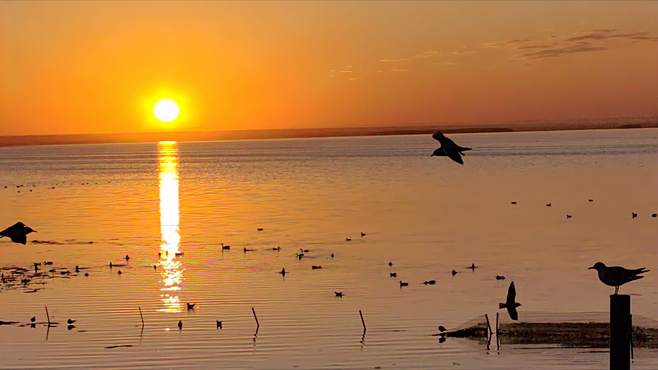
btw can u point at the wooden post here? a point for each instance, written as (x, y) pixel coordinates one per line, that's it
(620, 332)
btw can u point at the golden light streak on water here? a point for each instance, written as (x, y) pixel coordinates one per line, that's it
(172, 268)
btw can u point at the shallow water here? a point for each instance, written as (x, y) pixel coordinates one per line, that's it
(426, 215)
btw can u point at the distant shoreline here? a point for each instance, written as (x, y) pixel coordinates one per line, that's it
(29, 140)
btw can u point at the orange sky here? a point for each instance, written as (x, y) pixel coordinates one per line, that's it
(84, 67)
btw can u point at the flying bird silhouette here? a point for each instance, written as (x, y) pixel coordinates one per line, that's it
(510, 303)
(617, 276)
(17, 233)
(448, 148)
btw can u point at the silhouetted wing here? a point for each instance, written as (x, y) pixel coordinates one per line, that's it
(11, 229)
(455, 156)
(513, 313)
(438, 137)
(511, 295)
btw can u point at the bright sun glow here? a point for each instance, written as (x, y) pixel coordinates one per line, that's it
(166, 110)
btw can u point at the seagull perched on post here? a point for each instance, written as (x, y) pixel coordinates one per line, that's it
(17, 232)
(617, 276)
(510, 303)
(448, 148)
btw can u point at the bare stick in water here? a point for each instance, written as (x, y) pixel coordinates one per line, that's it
(363, 322)
(255, 318)
(488, 324)
(497, 324)
(48, 315)
(141, 316)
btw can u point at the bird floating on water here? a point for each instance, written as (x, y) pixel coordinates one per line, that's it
(617, 276)
(259, 229)
(363, 234)
(180, 325)
(393, 274)
(403, 283)
(33, 319)
(283, 272)
(453, 272)
(500, 277)
(225, 247)
(190, 306)
(277, 249)
(429, 282)
(569, 216)
(654, 215)
(472, 267)
(219, 324)
(17, 233)
(245, 250)
(316, 267)
(633, 215)
(348, 239)
(70, 321)
(448, 148)
(510, 303)
(339, 294)
(390, 264)
(548, 204)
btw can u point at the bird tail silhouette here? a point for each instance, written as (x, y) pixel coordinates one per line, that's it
(640, 271)
(636, 277)
(463, 148)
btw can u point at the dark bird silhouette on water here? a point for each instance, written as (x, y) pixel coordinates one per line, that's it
(339, 294)
(569, 216)
(500, 277)
(453, 272)
(654, 215)
(348, 239)
(180, 325)
(393, 274)
(390, 264)
(363, 234)
(70, 321)
(219, 324)
(472, 267)
(225, 247)
(403, 283)
(316, 267)
(633, 215)
(429, 282)
(510, 303)
(617, 276)
(33, 319)
(448, 148)
(190, 306)
(548, 204)
(17, 233)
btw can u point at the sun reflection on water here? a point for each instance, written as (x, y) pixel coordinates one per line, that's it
(172, 268)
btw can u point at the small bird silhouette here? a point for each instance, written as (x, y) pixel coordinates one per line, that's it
(219, 324)
(180, 325)
(259, 229)
(17, 233)
(448, 148)
(548, 204)
(127, 257)
(277, 248)
(429, 282)
(510, 303)
(283, 272)
(472, 267)
(225, 247)
(339, 294)
(513, 202)
(453, 272)
(33, 319)
(393, 274)
(316, 267)
(332, 255)
(633, 215)
(245, 250)
(617, 276)
(119, 272)
(569, 216)
(590, 200)
(654, 215)
(390, 264)
(500, 277)
(363, 234)
(70, 321)
(403, 283)
(442, 328)
(190, 306)
(348, 239)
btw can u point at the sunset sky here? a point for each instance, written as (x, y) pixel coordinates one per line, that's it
(98, 67)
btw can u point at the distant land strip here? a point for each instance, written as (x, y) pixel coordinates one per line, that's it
(22, 140)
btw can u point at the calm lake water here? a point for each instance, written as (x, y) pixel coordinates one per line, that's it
(426, 215)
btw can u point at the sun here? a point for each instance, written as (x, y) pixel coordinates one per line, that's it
(166, 110)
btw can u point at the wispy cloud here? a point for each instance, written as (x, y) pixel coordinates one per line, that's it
(549, 52)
